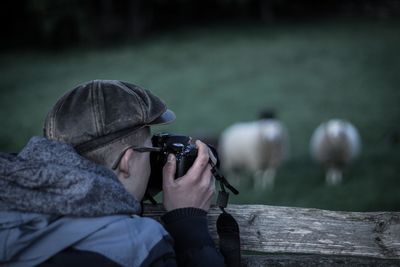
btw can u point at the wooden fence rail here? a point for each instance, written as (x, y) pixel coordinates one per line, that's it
(283, 236)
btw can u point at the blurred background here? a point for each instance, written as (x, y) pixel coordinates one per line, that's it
(219, 62)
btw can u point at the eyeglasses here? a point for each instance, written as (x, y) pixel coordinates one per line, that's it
(145, 149)
(142, 149)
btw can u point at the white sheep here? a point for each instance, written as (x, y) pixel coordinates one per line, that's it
(258, 147)
(335, 144)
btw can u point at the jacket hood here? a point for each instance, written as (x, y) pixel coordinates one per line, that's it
(50, 177)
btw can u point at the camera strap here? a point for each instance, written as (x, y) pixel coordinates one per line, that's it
(227, 227)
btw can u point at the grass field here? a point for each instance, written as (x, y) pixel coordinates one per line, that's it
(212, 78)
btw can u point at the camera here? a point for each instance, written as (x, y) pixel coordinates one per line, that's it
(183, 149)
(179, 145)
(186, 153)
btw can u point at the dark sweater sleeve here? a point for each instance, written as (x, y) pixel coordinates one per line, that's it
(193, 243)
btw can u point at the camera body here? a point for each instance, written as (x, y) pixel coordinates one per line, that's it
(179, 145)
(186, 153)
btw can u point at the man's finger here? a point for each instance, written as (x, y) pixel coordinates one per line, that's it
(207, 179)
(169, 170)
(201, 161)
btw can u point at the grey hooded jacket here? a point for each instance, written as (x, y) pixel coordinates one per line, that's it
(52, 199)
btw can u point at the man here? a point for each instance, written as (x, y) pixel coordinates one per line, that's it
(74, 196)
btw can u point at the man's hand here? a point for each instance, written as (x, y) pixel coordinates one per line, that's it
(195, 189)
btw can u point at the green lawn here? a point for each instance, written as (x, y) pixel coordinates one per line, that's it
(212, 78)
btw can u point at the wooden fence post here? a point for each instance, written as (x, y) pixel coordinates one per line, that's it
(277, 236)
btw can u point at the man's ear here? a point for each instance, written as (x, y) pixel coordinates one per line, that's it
(124, 163)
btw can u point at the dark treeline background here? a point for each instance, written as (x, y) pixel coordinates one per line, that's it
(63, 23)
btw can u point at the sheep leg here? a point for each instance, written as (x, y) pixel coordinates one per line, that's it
(257, 177)
(268, 179)
(264, 179)
(334, 176)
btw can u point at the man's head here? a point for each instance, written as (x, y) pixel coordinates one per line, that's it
(103, 120)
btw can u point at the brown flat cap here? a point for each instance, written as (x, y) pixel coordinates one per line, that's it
(99, 112)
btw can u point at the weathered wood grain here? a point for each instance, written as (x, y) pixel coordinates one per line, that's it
(315, 260)
(284, 230)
